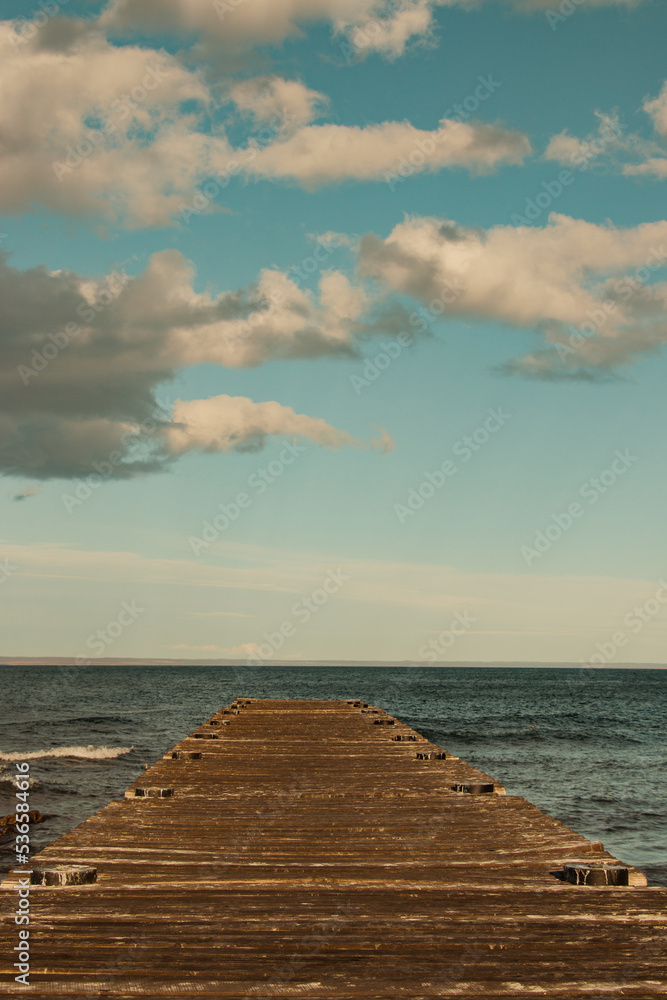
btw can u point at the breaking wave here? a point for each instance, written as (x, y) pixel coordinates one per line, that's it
(82, 753)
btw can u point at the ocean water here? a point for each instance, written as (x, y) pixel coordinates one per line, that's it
(587, 746)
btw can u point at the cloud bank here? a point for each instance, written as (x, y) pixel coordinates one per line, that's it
(590, 290)
(128, 134)
(84, 359)
(234, 27)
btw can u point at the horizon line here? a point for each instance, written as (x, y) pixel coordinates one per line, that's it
(47, 661)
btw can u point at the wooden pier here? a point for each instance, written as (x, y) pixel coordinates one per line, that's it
(322, 849)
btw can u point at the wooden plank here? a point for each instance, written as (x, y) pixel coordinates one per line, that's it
(307, 852)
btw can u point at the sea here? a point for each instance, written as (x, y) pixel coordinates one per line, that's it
(586, 745)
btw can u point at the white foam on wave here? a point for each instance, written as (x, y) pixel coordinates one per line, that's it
(8, 778)
(82, 753)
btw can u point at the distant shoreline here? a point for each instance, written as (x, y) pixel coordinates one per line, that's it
(64, 661)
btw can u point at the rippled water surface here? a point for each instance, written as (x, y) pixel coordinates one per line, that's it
(589, 747)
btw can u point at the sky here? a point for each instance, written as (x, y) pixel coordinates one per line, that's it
(333, 330)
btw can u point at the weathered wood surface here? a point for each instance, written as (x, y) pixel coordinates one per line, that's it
(308, 853)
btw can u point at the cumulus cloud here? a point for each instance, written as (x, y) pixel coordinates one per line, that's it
(124, 133)
(589, 289)
(568, 149)
(322, 154)
(223, 29)
(232, 27)
(629, 153)
(98, 129)
(565, 148)
(267, 97)
(389, 31)
(154, 322)
(236, 423)
(657, 109)
(653, 165)
(84, 358)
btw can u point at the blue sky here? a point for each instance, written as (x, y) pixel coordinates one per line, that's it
(278, 455)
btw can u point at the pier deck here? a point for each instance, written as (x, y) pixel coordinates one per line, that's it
(310, 853)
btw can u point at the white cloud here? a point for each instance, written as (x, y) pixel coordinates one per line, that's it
(627, 152)
(155, 321)
(83, 359)
(227, 423)
(567, 149)
(654, 166)
(555, 278)
(95, 128)
(232, 27)
(228, 28)
(121, 132)
(389, 35)
(322, 154)
(267, 97)
(657, 109)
